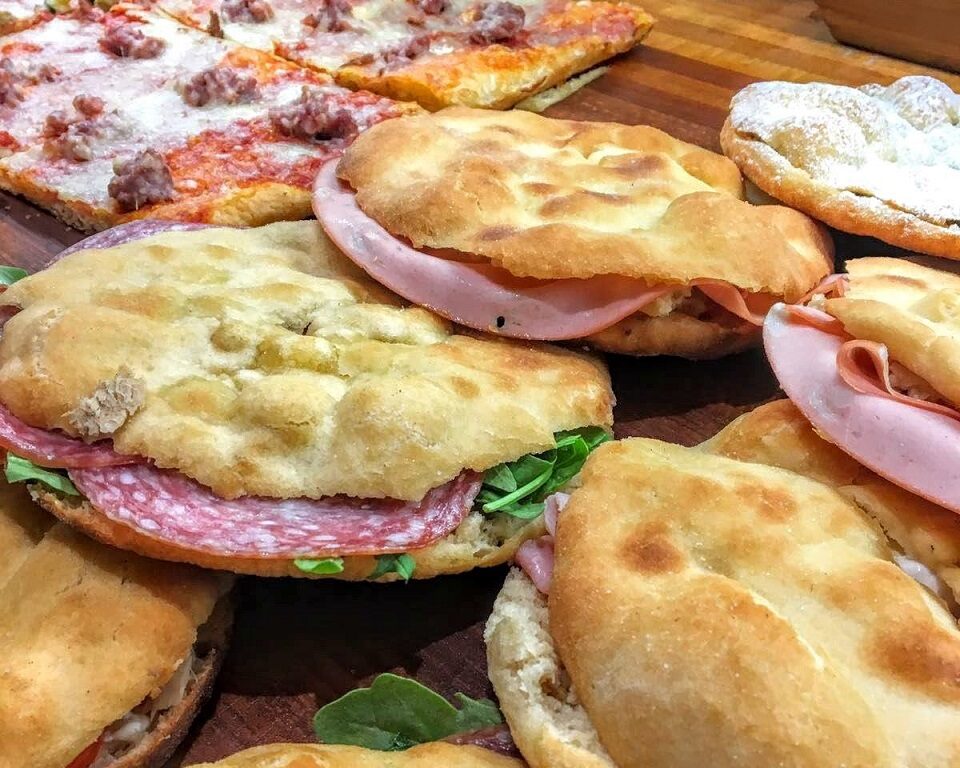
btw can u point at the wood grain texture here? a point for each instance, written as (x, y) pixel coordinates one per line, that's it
(300, 644)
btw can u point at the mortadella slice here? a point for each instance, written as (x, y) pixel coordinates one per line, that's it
(170, 507)
(916, 448)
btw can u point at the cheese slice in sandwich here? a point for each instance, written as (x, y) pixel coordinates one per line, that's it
(432, 755)
(705, 610)
(876, 371)
(536, 228)
(249, 400)
(105, 657)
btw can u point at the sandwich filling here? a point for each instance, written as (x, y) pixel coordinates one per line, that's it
(883, 414)
(489, 298)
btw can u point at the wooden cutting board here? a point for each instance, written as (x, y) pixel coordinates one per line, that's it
(300, 644)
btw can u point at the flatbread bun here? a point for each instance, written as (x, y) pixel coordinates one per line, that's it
(478, 542)
(882, 161)
(914, 310)
(777, 434)
(709, 611)
(551, 198)
(435, 755)
(262, 362)
(90, 632)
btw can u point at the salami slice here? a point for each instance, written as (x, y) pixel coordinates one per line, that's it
(52, 449)
(170, 507)
(496, 738)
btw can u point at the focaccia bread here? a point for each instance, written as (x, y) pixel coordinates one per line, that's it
(22, 526)
(912, 309)
(89, 633)
(260, 362)
(878, 161)
(552, 198)
(709, 611)
(434, 755)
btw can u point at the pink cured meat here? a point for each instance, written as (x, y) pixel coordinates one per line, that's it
(53, 449)
(126, 233)
(914, 448)
(536, 558)
(479, 296)
(170, 507)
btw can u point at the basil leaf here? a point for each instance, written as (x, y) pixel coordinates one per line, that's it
(325, 567)
(10, 275)
(396, 713)
(20, 470)
(403, 565)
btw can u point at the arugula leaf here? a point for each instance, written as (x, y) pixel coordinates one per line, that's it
(326, 566)
(519, 487)
(403, 565)
(396, 713)
(20, 470)
(10, 275)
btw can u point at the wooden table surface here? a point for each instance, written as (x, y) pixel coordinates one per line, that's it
(299, 644)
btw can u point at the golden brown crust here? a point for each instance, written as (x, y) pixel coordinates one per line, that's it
(699, 589)
(498, 76)
(271, 367)
(872, 161)
(22, 526)
(913, 310)
(777, 434)
(553, 198)
(74, 610)
(478, 543)
(433, 755)
(674, 334)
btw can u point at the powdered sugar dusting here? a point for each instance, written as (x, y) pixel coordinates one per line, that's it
(899, 144)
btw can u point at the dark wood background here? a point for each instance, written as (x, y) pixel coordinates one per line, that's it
(299, 644)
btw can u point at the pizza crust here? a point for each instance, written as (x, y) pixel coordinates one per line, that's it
(881, 162)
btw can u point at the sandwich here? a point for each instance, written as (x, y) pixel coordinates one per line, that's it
(105, 657)
(248, 400)
(705, 610)
(434, 755)
(875, 371)
(620, 237)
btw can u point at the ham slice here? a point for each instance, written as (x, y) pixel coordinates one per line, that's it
(489, 298)
(900, 438)
(53, 449)
(535, 557)
(169, 507)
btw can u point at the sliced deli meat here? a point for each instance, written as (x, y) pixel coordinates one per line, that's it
(168, 506)
(910, 444)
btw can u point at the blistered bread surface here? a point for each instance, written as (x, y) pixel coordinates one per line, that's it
(554, 198)
(433, 755)
(914, 310)
(268, 365)
(714, 612)
(88, 633)
(876, 160)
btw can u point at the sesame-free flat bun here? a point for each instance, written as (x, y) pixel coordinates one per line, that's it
(714, 612)
(878, 161)
(777, 434)
(913, 309)
(551, 198)
(262, 362)
(89, 632)
(435, 755)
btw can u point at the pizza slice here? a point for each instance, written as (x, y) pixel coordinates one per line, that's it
(228, 136)
(486, 53)
(20, 14)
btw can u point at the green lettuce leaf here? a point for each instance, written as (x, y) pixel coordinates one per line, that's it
(325, 567)
(396, 713)
(403, 564)
(19, 470)
(10, 275)
(519, 487)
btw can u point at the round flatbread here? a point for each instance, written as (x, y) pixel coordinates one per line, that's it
(435, 755)
(878, 161)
